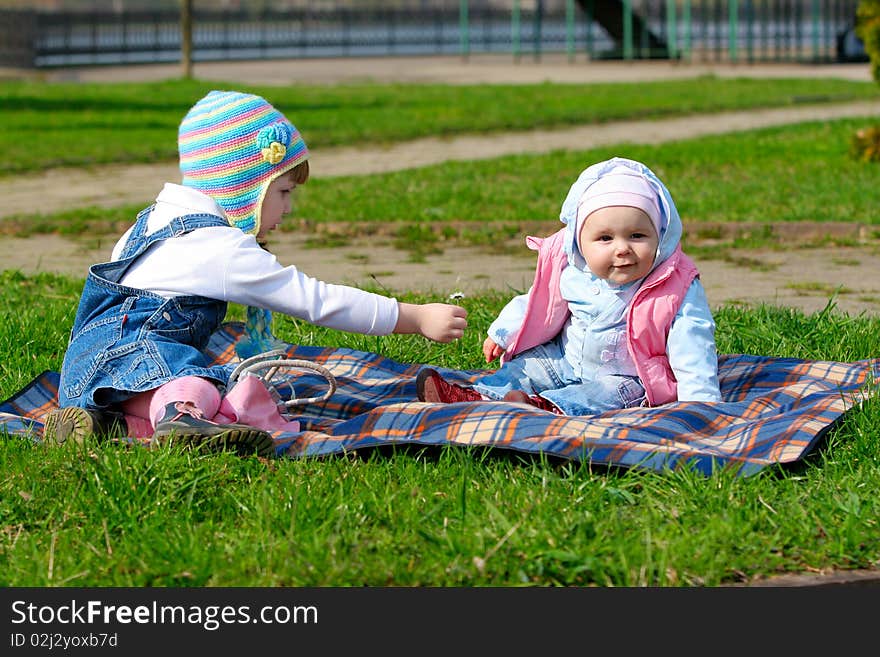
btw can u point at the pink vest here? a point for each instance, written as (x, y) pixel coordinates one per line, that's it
(649, 315)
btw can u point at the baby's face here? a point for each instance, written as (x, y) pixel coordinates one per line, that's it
(276, 204)
(619, 243)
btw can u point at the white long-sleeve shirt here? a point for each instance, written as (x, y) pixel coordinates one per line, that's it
(225, 263)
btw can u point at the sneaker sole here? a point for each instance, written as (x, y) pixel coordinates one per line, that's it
(243, 442)
(68, 424)
(425, 388)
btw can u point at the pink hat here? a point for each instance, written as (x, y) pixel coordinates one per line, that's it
(620, 188)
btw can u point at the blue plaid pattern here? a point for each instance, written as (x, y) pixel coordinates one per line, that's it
(774, 410)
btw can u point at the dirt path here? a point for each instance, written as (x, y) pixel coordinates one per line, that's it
(797, 278)
(800, 278)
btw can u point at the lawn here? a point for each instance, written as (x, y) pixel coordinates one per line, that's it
(106, 515)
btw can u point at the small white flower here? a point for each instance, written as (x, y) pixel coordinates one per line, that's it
(455, 296)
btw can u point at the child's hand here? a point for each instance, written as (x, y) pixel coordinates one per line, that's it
(440, 322)
(491, 350)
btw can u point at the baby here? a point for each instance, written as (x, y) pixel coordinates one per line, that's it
(616, 316)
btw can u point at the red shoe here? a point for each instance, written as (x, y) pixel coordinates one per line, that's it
(434, 388)
(520, 397)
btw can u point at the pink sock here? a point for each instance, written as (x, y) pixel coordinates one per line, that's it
(136, 411)
(139, 405)
(196, 390)
(138, 427)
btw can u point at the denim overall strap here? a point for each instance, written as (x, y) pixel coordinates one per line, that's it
(137, 233)
(138, 241)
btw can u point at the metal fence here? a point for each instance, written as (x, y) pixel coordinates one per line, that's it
(700, 30)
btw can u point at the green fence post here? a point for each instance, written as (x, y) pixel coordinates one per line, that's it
(464, 36)
(588, 21)
(515, 29)
(627, 30)
(569, 29)
(671, 29)
(686, 20)
(816, 11)
(733, 26)
(536, 30)
(750, 19)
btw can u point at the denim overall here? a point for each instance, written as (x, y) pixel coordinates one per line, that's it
(125, 341)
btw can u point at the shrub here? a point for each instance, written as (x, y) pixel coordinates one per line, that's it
(865, 144)
(868, 30)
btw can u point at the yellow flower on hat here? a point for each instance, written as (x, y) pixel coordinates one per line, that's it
(274, 153)
(272, 141)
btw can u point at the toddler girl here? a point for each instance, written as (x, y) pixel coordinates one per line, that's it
(136, 358)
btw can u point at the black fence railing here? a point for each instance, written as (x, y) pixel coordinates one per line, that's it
(702, 30)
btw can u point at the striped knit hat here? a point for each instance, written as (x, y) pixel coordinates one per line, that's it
(232, 146)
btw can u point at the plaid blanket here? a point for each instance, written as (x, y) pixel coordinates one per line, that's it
(774, 411)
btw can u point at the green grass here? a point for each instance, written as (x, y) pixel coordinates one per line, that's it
(73, 124)
(105, 515)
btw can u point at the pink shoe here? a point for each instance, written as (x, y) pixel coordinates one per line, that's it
(434, 388)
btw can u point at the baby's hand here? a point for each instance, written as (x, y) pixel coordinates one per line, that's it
(491, 350)
(441, 322)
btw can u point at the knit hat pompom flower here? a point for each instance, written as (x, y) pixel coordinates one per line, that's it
(232, 146)
(273, 141)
